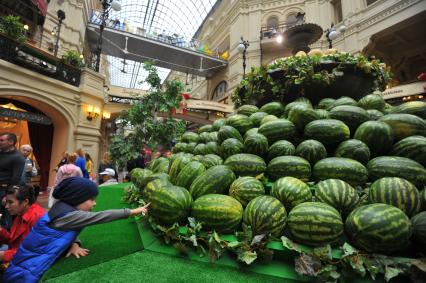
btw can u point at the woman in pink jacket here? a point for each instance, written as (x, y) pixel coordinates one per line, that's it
(65, 171)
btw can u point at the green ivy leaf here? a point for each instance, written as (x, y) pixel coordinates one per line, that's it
(391, 272)
(289, 244)
(247, 257)
(348, 249)
(324, 253)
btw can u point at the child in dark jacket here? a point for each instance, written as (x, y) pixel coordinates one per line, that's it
(57, 230)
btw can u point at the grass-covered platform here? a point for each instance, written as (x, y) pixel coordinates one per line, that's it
(126, 251)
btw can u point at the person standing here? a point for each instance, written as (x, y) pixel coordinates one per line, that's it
(12, 164)
(104, 164)
(63, 160)
(81, 162)
(89, 165)
(108, 177)
(30, 169)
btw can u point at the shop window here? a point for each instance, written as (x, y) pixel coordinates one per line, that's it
(220, 90)
(337, 10)
(272, 22)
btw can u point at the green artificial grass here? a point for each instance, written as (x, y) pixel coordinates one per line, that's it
(105, 241)
(147, 266)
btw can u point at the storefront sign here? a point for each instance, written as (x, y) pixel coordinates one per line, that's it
(209, 105)
(404, 90)
(27, 116)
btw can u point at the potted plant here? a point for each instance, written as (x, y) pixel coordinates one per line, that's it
(315, 75)
(72, 58)
(12, 27)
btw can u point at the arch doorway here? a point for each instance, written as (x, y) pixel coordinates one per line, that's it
(39, 125)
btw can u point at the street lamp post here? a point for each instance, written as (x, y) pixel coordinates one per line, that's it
(242, 47)
(331, 34)
(61, 17)
(107, 5)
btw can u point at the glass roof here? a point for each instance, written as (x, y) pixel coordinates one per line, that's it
(166, 17)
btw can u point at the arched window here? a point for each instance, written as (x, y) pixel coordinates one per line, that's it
(272, 22)
(291, 19)
(220, 90)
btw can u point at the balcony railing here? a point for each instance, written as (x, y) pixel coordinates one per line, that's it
(38, 61)
(272, 32)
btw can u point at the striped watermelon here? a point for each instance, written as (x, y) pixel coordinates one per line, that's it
(256, 144)
(156, 165)
(211, 148)
(230, 147)
(138, 177)
(245, 164)
(257, 117)
(338, 194)
(240, 122)
(322, 114)
(290, 106)
(374, 114)
(265, 214)
(197, 158)
(281, 129)
(405, 125)
(325, 103)
(188, 173)
(190, 147)
(211, 160)
(378, 136)
(291, 192)
(397, 192)
(395, 166)
(352, 116)
(176, 166)
(216, 179)
(205, 128)
(227, 132)
(413, 147)
(179, 147)
(200, 149)
(378, 228)
(190, 137)
(292, 166)
(154, 186)
(247, 109)
(273, 108)
(304, 100)
(311, 150)
(353, 149)
(244, 189)
(388, 108)
(281, 148)
(212, 137)
(204, 137)
(251, 132)
(217, 124)
(418, 222)
(315, 224)
(327, 131)
(417, 108)
(157, 176)
(218, 212)
(344, 100)
(372, 101)
(423, 198)
(300, 115)
(344, 169)
(170, 204)
(268, 118)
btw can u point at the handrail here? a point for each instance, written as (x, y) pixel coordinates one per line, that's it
(37, 60)
(163, 36)
(272, 32)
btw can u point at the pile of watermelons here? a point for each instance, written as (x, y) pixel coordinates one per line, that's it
(339, 167)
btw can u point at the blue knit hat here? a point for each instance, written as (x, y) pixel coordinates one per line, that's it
(75, 190)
